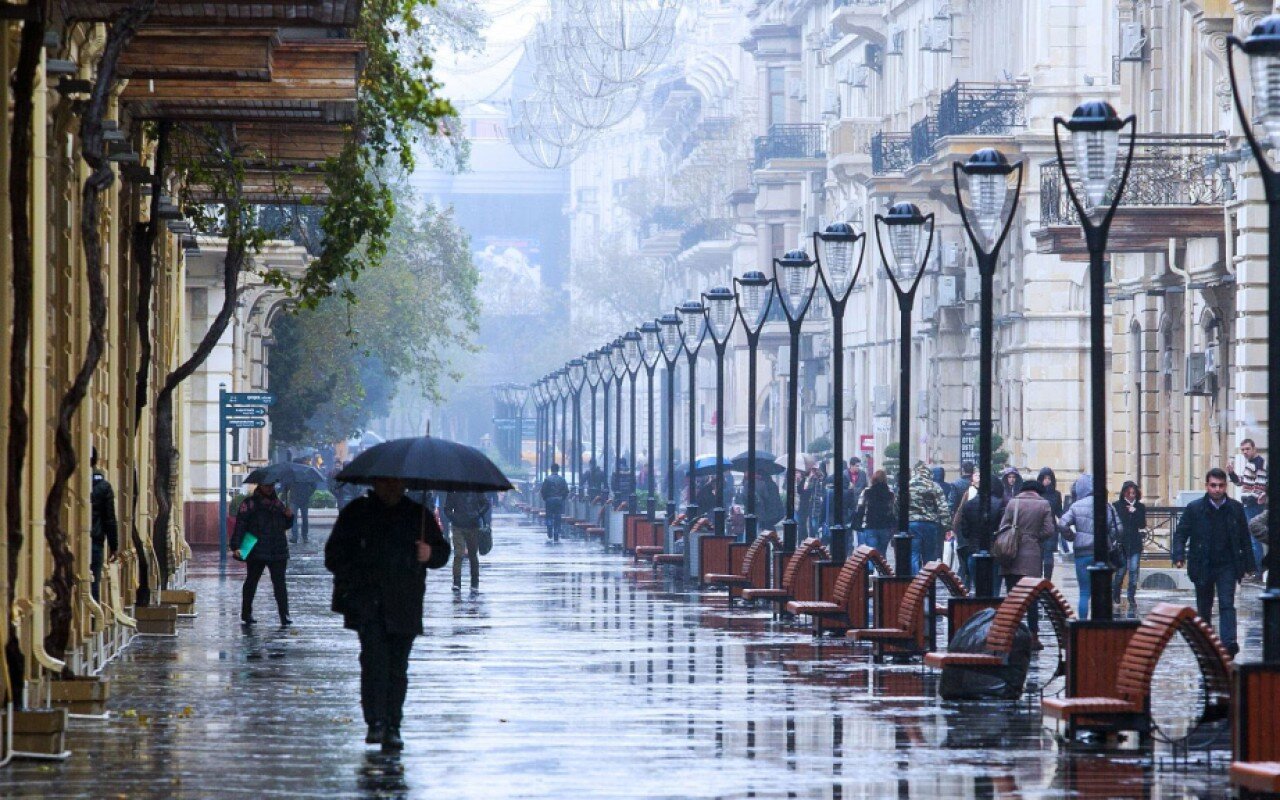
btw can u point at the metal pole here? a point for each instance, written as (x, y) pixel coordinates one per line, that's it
(593, 427)
(718, 517)
(984, 567)
(653, 460)
(691, 508)
(577, 441)
(1271, 597)
(902, 540)
(839, 546)
(1100, 571)
(633, 501)
(671, 439)
(604, 452)
(789, 525)
(752, 526)
(564, 435)
(222, 473)
(617, 439)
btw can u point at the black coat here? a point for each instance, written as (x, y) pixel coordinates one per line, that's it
(1192, 541)
(1132, 524)
(372, 554)
(971, 532)
(265, 518)
(878, 509)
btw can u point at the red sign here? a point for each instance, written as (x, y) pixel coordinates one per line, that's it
(867, 442)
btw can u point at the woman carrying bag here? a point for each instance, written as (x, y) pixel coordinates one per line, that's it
(1028, 519)
(260, 540)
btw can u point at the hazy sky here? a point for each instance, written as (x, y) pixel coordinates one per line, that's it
(471, 77)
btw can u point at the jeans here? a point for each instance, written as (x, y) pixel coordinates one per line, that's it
(466, 544)
(301, 512)
(555, 510)
(1082, 577)
(95, 563)
(1223, 581)
(384, 673)
(1132, 566)
(926, 544)
(877, 538)
(250, 588)
(1252, 510)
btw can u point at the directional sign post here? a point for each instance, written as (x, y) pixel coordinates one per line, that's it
(236, 411)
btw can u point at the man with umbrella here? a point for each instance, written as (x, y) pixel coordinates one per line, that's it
(301, 483)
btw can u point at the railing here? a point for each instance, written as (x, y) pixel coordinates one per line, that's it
(890, 152)
(790, 141)
(981, 108)
(856, 3)
(851, 135)
(924, 133)
(1168, 170)
(1161, 522)
(663, 218)
(711, 230)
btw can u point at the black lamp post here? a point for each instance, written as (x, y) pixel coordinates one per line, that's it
(993, 192)
(1263, 49)
(577, 372)
(1095, 138)
(721, 311)
(536, 390)
(693, 328)
(839, 253)
(592, 363)
(905, 228)
(669, 336)
(755, 297)
(562, 389)
(796, 279)
(619, 367)
(606, 379)
(650, 353)
(631, 359)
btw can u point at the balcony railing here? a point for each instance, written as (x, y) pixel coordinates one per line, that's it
(890, 152)
(981, 108)
(924, 133)
(857, 3)
(711, 230)
(1168, 171)
(790, 141)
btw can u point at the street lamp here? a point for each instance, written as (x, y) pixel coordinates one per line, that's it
(672, 341)
(619, 366)
(839, 253)
(519, 396)
(720, 307)
(592, 362)
(693, 328)
(905, 229)
(563, 390)
(631, 360)
(577, 373)
(535, 389)
(1095, 138)
(755, 298)
(604, 356)
(993, 192)
(650, 352)
(796, 279)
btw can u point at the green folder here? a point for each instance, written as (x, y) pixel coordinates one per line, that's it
(246, 544)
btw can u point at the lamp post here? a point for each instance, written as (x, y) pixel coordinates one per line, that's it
(606, 379)
(1095, 138)
(562, 389)
(905, 229)
(577, 372)
(1263, 49)
(592, 362)
(693, 328)
(720, 306)
(535, 389)
(619, 368)
(839, 253)
(631, 359)
(796, 279)
(672, 341)
(650, 352)
(993, 193)
(755, 298)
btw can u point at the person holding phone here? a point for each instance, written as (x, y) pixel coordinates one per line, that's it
(264, 515)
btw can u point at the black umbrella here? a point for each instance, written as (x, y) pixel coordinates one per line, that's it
(427, 463)
(766, 462)
(288, 474)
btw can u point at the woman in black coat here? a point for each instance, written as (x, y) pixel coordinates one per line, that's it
(266, 516)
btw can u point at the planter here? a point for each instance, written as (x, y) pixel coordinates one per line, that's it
(159, 620)
(182, 599)
(41, 732)
(81, 695)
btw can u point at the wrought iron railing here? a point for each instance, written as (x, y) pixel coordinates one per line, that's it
(890, 152)
(1168, 170)
(924, 133)
(710, 230)
(981, 108)
(791, 141)
(861, 3)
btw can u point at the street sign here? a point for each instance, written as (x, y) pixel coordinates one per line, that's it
(969, 430)
(866, 443)
(238, 422)
(249, 398)
(245, 411)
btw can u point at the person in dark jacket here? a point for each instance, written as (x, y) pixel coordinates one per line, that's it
(1049, 491)
(1212, 540)
(971, 534)
(264, 515)
(594, 481)
(554, 491)
(1133, 526)
(466, 512)
(300, 493)
(623, 482)
(959, 488)
(103, 533)
(769, 506)
(1010, 480)
(379, 552)
(876, 516)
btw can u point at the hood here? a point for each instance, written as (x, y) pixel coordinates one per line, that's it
(922, 471)
(939, 474)
(1083, 487)
(1046, 472)
(1125, 488)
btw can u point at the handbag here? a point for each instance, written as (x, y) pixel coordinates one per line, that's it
(484, 542)
(1005, 547)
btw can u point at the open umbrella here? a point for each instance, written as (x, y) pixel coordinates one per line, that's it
(427, 463)
(766, 462)
(288, 473)
(704, 465)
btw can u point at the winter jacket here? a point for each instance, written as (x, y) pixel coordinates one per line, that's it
(554, 487)
(1035, 524)
(1195, 543)
(102, 499)
(1009, 487)
(970, 533)
(266, 519)
(1133, 521)
(1054, 498)
(466, 509)
(623, 484)
(373, 555)
(1077, 524)
(877, 508)
(959, 492)
(769, 506)
(926, 502)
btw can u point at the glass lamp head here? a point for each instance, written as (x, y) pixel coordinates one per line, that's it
(987, 173)
(795, 279)
(838, 256)
(650, 343)
(670, 336)
(906, 227)
(1095, 140)
(693, 325)
(631, 353)
(755, 298)
(592, 363)
(618, 358)
(577, 373)
(720, 305)
(1262, 46)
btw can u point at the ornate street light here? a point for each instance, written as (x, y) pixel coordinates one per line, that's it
(693, 329)
(535, 389)
(577, 375)
(755, 298)
(650, 353)
(795, 279)
(592, 362)
(905, 229)
(564, 391)
(994, 186)
(1095, 138)
(618, 363)
(672, 341)
(839, 251)
(605, 360)
(631, 359)
(519, 396)
(720, 306)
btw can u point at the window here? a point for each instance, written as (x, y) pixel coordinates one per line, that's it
(777, 95)
(778, 239)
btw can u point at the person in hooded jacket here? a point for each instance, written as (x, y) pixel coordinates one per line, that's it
(928, 519)
(1010, 480)
(1133, 526)
(1049, 491)
(1077, 525)
(876, 517)
(1031, 515)
(267, 517)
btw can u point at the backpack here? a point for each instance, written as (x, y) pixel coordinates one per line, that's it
(1005, 546)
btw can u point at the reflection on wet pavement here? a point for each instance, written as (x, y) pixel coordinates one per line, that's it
(572, 674)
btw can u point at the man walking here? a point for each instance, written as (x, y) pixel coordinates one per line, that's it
(554, 491)
(1253, 486)
(929, 518)
(103, 531)
(467, 513)
(1212, 540)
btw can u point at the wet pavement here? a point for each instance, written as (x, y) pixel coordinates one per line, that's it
(573, 674)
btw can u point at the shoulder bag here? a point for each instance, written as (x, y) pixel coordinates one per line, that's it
(1005, 546)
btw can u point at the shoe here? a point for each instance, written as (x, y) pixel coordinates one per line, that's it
(293, 540)
(391, 741)
(1233, 649)
(247, 620)
(286, 621)
(374, 736)
(457, 587)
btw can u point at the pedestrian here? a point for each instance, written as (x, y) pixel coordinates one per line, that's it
(264, 515)
(973, 533)
(1133, 527)
(769, 506)
(705, 498)
(1077, 525)
(1049, 491)
(857, 480)
(1010, 480)
(622, 483)
(299, 495)
(103, 530)
(1032, 517)
(928, 519)
(876, 516)
(554, 490)
(1212, 540)
(959, 489)
(379, 552)
(594, 480)
(1258, 530)
(467, 513)
(1253, 486)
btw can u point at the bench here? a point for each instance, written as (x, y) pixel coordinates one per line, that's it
(1009, 615)
(1255, 759)
(847, 607)
(755, 559)
(1128, 707)
(810, 550)
(908, 638)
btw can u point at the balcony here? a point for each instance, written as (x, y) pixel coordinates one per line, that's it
(981, 109)
(924, 134)
(863, 18)
(708, 245)
(804, 142)
(849, 144)
(710, 230)
(890, 152)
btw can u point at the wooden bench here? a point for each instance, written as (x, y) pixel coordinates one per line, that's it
(755, 560)
(847, 607)
(1128, 707)
(809, 551)
(1009, 615)
(1255, 745)
(908, 638)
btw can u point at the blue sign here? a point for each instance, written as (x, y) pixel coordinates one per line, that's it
(249, 398)
(244, 411)
(234, 422)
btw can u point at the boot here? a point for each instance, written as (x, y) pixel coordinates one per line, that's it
(391, 741)
(375, 734)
